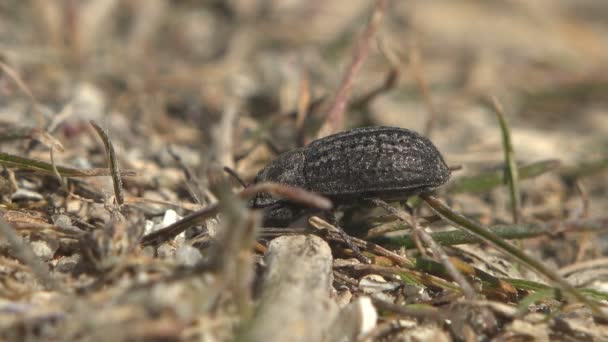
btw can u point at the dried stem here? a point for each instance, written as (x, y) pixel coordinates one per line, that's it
(335, 118)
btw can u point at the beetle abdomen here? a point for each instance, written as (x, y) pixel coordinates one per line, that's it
(373, 160)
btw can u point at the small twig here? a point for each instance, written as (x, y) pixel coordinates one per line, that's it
(439, 253)
(585, 265)
(402, 216)
(318, 222)
(508, 231)
(335, 117)
(295, 195)
(411, 272)
(114, 168)
(369, 246)
(59, 178)
(421, 312)
(192, 183)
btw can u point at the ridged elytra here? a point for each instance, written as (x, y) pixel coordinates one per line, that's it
(389, 163)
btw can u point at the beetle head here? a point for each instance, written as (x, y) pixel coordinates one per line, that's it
(287, 169)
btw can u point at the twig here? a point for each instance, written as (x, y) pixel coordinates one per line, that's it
(439, 253)
(293, 194)
(335, 117)
(59, 178)
(192, 183)
(317, 222)
(366, 245)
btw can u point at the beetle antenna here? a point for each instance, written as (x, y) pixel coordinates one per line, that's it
(455, 167)
(236, 176)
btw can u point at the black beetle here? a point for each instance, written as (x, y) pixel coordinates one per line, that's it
(389, 163)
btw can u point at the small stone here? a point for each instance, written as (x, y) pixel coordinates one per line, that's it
(148, 227)
(26, 195)
(187, 255)
(44, 249)
(374, 283)
(169, 218)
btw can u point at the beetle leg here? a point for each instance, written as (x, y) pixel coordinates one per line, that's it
(347, 239)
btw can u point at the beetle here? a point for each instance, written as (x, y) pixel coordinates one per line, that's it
(388, 163)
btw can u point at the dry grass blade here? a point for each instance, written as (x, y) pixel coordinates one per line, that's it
(439, 253)
(114, 168)
(31, 133)
(511, 171)
(531, 262)
(366, 245)
(420, 312)
(56, 172)
(507, 231)
(10, 160)
(489, 180)
(14, 75)
(335, 117)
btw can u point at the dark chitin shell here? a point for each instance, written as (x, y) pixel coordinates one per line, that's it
(383, 162)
